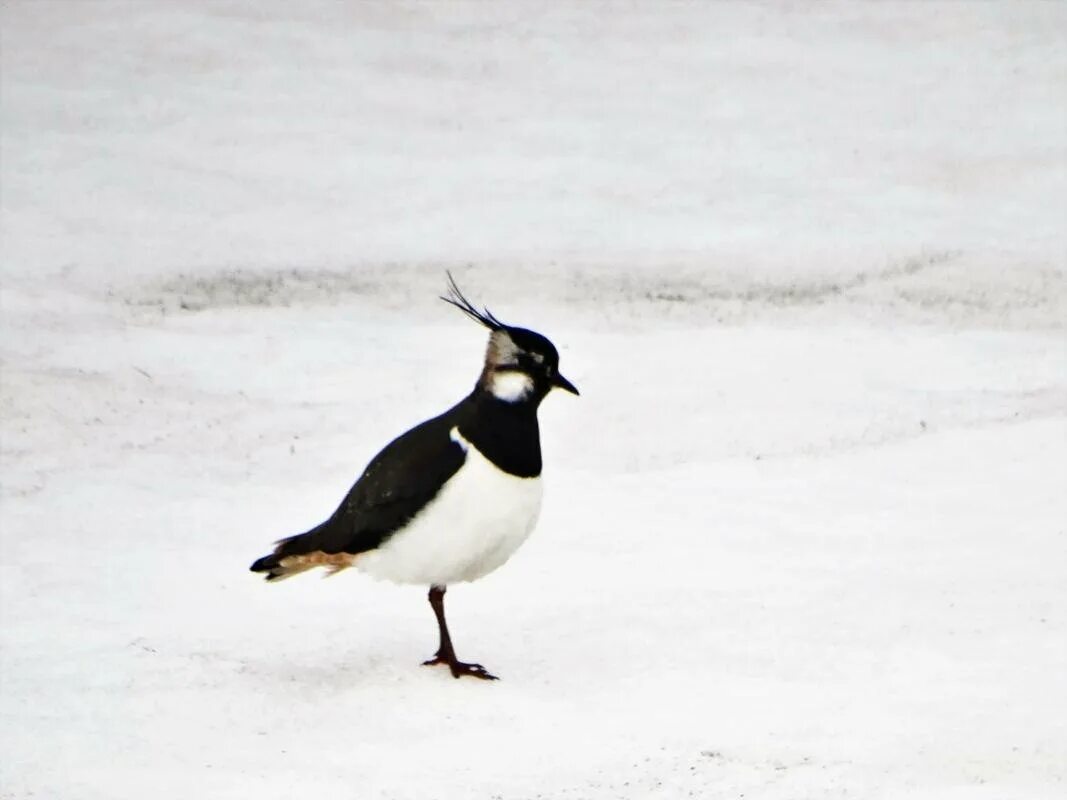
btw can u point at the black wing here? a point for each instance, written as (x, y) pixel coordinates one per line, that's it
(394, 487)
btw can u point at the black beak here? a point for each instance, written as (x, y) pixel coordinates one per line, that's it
(562, 383)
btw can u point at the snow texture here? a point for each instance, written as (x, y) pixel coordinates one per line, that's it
(803, 533)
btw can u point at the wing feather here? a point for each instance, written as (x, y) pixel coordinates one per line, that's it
(397, 484)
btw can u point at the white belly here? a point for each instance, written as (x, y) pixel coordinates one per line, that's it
(473, 525)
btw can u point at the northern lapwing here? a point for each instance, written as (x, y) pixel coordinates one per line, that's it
(454, 497)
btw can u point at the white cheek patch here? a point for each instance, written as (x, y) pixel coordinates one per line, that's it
(511, 386)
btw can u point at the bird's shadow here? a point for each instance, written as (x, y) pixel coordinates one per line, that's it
(328, 674)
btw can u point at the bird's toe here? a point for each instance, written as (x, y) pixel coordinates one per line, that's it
(459, 669)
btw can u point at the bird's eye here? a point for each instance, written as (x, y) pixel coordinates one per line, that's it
(549, 370)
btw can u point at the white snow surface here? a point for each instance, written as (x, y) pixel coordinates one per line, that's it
(804, 531)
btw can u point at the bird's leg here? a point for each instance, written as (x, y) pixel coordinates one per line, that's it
(445, 653)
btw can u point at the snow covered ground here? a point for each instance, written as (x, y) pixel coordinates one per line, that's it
(805, 531)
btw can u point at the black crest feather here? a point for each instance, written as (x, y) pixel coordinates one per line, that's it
(455, 298)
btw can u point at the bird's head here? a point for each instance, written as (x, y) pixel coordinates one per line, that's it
(520, 365)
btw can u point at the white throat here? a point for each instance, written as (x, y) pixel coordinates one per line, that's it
(511, 386)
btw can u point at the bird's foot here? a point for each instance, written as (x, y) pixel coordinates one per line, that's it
(459, 668)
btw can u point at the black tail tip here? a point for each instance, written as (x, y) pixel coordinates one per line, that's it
(265, 564)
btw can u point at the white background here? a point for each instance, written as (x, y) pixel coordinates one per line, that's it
(804, 531)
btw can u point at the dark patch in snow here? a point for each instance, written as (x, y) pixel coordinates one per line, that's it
(235, 288)
(929, 286)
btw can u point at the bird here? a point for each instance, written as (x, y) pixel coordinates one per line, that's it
(453, 498)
